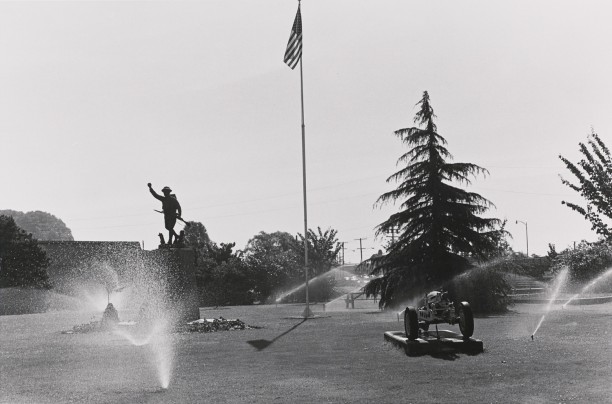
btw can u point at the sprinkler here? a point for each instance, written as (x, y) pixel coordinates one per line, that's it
(558, 284)
(532, 337)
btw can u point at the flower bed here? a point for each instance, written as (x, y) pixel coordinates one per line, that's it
(201, 325)
(216, 324)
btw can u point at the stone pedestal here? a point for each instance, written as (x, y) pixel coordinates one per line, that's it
(178, 270)
(443, 341)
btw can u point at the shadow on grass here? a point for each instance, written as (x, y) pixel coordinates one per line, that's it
(499, 314)
(450, 355)
(261, 344)
(447, 356)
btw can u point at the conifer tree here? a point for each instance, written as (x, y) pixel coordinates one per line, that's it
(440, 230)
(22, 262)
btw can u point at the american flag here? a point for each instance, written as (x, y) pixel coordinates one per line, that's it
(293, 53)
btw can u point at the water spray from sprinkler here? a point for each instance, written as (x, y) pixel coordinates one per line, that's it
(604, 275)
(558, 284)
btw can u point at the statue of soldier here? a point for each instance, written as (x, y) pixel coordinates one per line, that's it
(171, 208)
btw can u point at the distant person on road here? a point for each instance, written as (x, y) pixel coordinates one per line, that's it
(171, 208)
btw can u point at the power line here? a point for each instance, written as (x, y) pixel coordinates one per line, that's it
(292, 207)
(243, 213)
(522, 192)
(279, 196)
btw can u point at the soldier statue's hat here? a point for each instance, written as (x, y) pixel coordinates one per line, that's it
(166, 189)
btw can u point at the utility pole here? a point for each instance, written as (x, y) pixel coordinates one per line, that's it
(342, 252)
(361, 248)
(394, 230)
(526, 235)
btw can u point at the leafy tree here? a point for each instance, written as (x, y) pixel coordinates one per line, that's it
(274, 262)
(439, 227)
(323, 249)
(22, 262)
(196, 236)
(42, 225)
(222, 252)
(594, 175)
(223, 278)
(502, 246)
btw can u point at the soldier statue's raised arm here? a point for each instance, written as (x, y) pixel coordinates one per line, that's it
(171, 208)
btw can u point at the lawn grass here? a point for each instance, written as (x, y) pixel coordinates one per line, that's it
(339, 358)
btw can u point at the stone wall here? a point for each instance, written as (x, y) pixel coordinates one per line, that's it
(178, 266)
(75, 262)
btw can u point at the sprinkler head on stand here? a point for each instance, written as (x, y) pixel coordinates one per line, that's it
(532, 337)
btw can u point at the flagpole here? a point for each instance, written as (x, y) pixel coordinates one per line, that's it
(307, 312)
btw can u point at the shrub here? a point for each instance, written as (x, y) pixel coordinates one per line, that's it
(320, 289)
(224, 284)
(586, 261)
(484, 288)
(535, 267)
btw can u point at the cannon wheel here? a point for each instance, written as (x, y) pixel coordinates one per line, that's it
(411, 323)
(466, 320)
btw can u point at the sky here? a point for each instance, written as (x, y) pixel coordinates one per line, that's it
(100, 98)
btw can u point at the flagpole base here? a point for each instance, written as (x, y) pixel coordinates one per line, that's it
(307, 313)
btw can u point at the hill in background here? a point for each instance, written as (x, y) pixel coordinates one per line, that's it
(42, 225)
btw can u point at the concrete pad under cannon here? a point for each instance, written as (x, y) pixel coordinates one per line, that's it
(429, 343)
